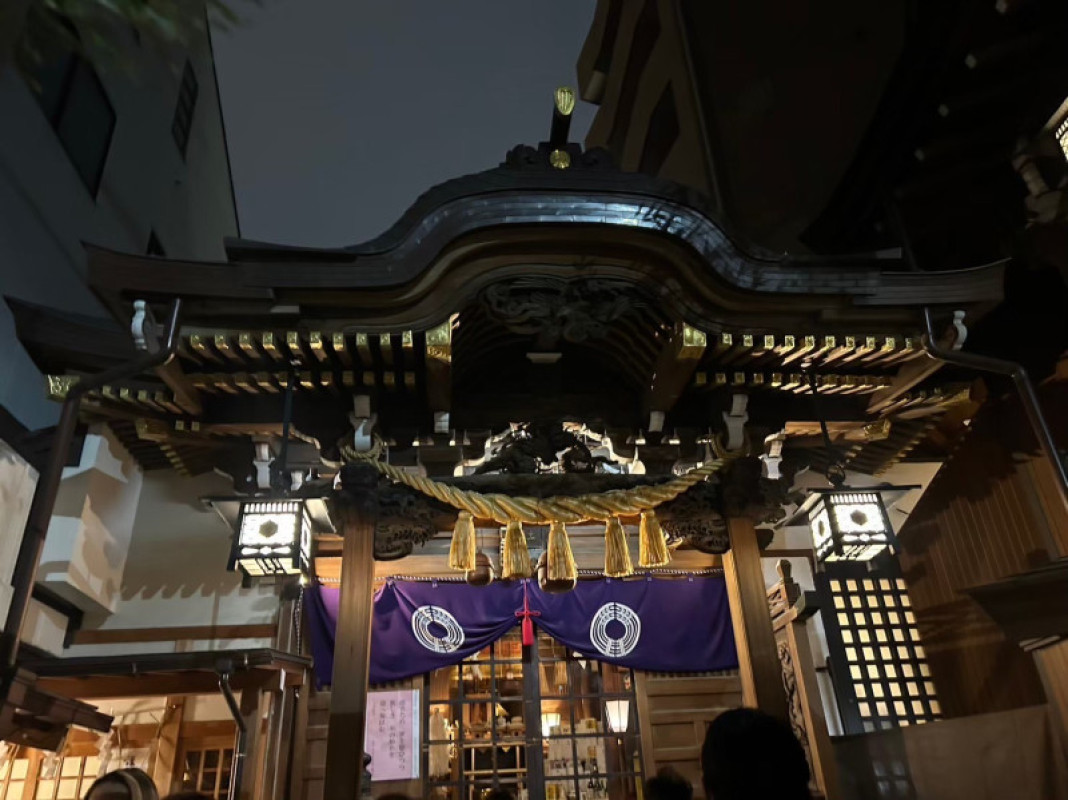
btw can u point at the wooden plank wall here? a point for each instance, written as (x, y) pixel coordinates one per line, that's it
(314, 741)
(675, 712)
(984, 517)
(1007, 754)
(314, 737)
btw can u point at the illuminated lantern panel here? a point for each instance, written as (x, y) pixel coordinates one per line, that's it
(849, 525)
(273, 538)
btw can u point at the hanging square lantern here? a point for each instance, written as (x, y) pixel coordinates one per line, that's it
(848, 524)
(273, 538)
(618, 712)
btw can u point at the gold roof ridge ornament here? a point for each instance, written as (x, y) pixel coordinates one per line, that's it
(564, 100)
(563, 107)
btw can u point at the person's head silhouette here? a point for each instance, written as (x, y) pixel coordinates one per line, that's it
(668, 784)
(123, 784)
(749, 755)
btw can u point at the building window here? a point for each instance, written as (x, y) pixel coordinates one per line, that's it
(13, 775)
(1062, 136)
(207, 771)
(662, 134)
(183, 112)
(70, 94)
(517, 717)
(154, 247)
(880, 669)
(71, 780)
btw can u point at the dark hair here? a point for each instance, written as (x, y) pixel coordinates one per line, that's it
(668, 785)
(749, 754)
(499, 793)
(123, 784)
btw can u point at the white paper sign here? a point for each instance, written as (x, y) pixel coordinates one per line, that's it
(392, 734)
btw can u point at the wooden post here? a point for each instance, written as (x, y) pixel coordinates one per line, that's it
(253, 701)
(758, 660)
(167, 745)
(356, 509)
(299, 761)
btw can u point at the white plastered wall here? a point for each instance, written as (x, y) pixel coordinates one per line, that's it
(89, 535)
(176, 572)
(18, 480)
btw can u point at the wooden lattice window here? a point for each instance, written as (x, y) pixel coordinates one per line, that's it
(207, 770)
(879, 666)
(72, 779)
(538, 720)
(13, 778)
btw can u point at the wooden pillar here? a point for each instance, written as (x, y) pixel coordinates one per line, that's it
(809, 704)
(167, 745)
(758, 660)
(356, 510)
(298, 764)
(253, 703)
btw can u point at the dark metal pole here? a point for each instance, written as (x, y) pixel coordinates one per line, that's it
(835, 467)
(1021, 380)
(44, 497)
(281, 481)
(1024, 388)
(237, 769)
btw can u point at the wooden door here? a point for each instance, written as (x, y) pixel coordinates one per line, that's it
(676, 711)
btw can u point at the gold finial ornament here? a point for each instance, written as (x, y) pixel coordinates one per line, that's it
(60, 385)
(560, 159)
(564, 98)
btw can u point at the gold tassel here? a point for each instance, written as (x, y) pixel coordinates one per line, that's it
(652, 545)
(463, 548)
(515, 560)
(616, 554)
(560, 562)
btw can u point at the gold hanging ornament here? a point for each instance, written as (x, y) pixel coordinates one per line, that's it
(652, 545)
(463, 549)
(616, 554)
(559, 561)
(515, 558)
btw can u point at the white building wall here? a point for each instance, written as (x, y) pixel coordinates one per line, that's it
(176, 572)
(88, 542)
(17, 483)
(146, 185)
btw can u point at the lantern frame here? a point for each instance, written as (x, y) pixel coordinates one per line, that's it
(849, 524)
(253, 551)
(618, 713)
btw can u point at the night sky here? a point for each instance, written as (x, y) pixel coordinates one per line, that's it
(340, 113)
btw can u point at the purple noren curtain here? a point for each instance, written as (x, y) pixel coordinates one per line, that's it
(661, 625)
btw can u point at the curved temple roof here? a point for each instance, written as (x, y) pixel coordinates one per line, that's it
(524, 218)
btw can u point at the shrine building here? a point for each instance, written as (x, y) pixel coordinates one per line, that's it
(527, 490)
